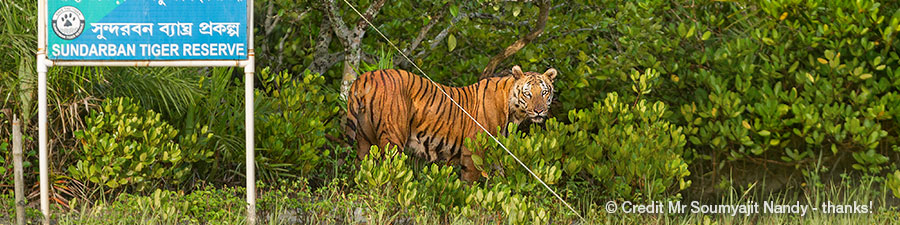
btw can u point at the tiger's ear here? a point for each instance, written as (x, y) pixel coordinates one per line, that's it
(517, 72)
(551, 74)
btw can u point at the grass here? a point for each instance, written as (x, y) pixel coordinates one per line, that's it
(291, 202)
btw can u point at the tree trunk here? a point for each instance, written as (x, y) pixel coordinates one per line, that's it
(17, 168)
(351, 62)
(350, 38)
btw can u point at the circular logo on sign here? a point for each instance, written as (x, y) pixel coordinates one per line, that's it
(68, 22)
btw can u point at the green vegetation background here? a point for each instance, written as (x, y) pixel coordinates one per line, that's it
(722, 102)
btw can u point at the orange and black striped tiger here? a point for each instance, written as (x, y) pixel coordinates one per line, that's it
(402, 109)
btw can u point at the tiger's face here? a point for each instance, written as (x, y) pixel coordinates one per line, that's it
(531, 95)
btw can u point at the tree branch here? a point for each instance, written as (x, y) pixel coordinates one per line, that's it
(353, 47)
(423, 32)
(370, 13)
(322, 60)
(398, 59)
(337, 23)
(519, 44)
(272, 18)
(440, 37)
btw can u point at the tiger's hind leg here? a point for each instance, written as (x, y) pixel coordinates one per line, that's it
(364, 135)
(363, 147)
(470, 173)
(358, 125)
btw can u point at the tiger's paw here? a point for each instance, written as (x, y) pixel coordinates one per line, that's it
(471, 176)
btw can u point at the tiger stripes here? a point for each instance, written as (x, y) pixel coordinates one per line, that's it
(398, 108)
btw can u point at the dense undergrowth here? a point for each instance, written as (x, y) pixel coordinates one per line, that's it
(719, 102)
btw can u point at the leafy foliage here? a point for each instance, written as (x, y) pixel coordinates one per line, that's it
(170, 91)
(893, 182)
(794, 81)
(437, 188)
(126, 145)
(627, 148)
(206, 205)
(299, 112)
(386, 174)
(442, 190)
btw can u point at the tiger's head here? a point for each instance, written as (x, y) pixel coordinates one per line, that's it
(531, 95)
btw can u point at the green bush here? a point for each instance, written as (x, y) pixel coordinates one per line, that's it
(387, 174)
(777, 82)
(123, 144)
(628, 148)
(805, 81)
(441, 189)
(390, 180)
(294, 116)
(893, 183)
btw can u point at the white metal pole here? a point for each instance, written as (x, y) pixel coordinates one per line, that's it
(250, 151)
(42, 137)
(42, 110)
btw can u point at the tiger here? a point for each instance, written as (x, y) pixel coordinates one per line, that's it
(398, 108)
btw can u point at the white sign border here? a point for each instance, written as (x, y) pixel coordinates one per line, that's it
(43, 64)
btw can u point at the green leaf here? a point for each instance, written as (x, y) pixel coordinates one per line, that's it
(706, 35)
(112, 183)
(829, 54)
(477, 160)
(454, 10)
(451, 42)
(691, 31)
(768, 41)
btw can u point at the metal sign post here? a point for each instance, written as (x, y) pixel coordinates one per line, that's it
(146, 33)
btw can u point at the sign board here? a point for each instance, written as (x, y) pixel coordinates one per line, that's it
(147, 30)
(145, 33)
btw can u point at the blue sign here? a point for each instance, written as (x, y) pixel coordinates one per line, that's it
(147, 30)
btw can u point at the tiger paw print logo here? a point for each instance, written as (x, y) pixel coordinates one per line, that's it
(68, 22)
